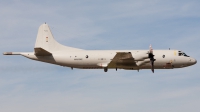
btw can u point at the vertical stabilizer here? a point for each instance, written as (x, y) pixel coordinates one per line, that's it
(46, 41)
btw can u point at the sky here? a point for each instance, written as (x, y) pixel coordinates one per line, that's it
(30, 86)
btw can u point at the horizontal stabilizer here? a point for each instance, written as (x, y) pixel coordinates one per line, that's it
(41, 52)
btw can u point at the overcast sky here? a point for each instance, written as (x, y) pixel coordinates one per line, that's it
(31, 86)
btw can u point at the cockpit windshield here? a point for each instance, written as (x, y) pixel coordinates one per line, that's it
(180, 53)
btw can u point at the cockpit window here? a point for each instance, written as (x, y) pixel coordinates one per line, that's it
(180, 53)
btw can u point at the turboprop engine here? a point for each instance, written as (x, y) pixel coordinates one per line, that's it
(143, 57)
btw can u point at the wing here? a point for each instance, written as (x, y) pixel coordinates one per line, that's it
(122, 60)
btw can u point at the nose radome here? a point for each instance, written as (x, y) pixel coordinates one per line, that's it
(195, 61)
(192, 61)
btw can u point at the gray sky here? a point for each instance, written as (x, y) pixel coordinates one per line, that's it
(27, 85)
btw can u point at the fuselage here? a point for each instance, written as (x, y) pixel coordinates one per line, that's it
(96, 59)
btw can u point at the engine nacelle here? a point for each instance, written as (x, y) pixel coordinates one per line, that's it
(140, 63)
(140, 55)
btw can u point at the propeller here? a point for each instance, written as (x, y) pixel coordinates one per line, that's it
(151, 57)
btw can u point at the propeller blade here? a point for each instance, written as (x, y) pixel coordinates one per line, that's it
(150, 49)
(152, 66)
(151, 57)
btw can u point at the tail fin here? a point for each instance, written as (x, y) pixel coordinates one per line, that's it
(46, 41)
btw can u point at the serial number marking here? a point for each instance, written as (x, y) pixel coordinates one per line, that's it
(78, 59)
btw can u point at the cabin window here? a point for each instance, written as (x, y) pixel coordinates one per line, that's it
(102, 59)
(163, 56)
(180, 53)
